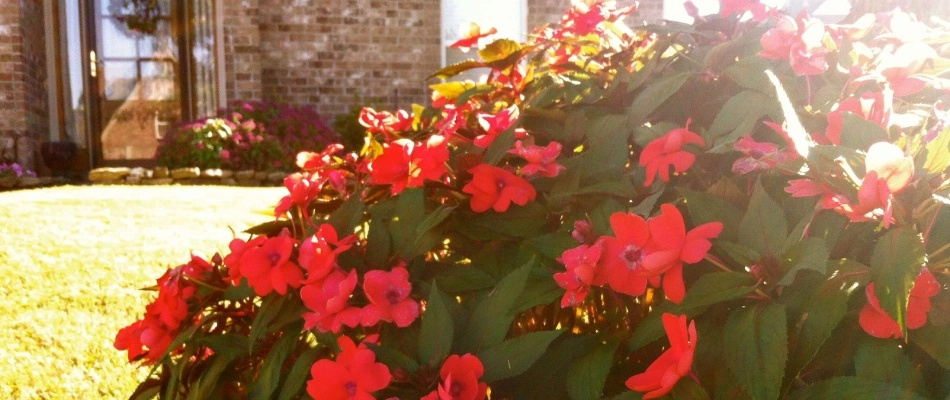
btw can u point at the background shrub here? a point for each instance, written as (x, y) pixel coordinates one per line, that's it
(254, 135)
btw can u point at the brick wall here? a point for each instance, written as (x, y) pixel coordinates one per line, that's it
(242, 49)
(327, 52)
(34, 79)
(23, 114)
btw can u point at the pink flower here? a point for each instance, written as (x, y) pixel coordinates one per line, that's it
(739, 7)
(496, 188)
(801, 41)
(540, 159)
(493, 125)
(763, 156)
(303, 188)
(583, 271)
(675, 363)
(388, 294)
(328, 302)
(666, 151)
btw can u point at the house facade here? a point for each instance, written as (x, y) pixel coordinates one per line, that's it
(112, 75)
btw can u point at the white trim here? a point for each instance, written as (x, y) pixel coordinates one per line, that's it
(219, 56)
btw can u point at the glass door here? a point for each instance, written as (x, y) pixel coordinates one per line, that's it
(135, 67)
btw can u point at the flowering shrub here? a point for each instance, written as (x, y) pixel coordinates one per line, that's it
(249, 135)
(14, 170)
(769, 192)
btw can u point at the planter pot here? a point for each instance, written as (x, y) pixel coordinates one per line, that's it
(8, 181)
(58, 156)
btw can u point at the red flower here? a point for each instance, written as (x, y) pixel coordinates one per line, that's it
(233, 259)
(327, 301)
(583, 271)
(310, 161)
(540, 159)
(673, 364)
(493, 125)
(354, 375)
(666, 151)
(876, 322)
(891, 165)
(902, 67)
(319, 252)
(888, 172)
(460, 376)
(801, 41)
(624, 254)
(739, 7)
(405, 163)
(671, 246)
(496, 188)
(388, 294)
(303, 188)
(872, 106)
(472, 37)
(268, 267)
(384, 122)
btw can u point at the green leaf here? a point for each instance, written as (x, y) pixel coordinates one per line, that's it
(437, 332)
(705, 208)
(433, 220)
(938, 153)
(738, 117)
(539, 289)
(499, 50)
(230, 344)
(651, 97)
(607, 149)
(492, 317)
(810, 253)
(271, 228)
(268, 380)
(452, 90)
(499, 147)
(747, 72)
(204, 387)
(514, 356)
(518, 221)
(859, 133)
(895, 263)
(757, 348)
(886, 361)
(763, 227)
(269, 310)
(852, 388)
(815, 325)
(345, 218)
(402, 228)
(688, 389)
(587, 375)
(710, 289)
(299, 374)
(378, 243)
(933, 339)
(394, 358)
(457, 68)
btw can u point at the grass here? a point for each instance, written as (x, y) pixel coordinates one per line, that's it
(71, 262)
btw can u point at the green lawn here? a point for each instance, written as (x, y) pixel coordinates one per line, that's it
(71, 262)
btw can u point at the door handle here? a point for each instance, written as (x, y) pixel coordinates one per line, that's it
(93, 64)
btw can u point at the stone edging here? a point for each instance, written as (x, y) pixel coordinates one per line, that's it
(183, 176)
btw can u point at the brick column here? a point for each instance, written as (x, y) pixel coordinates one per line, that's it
(242, 48)
(23, 96)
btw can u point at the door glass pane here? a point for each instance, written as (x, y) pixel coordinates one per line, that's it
(140, 79)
